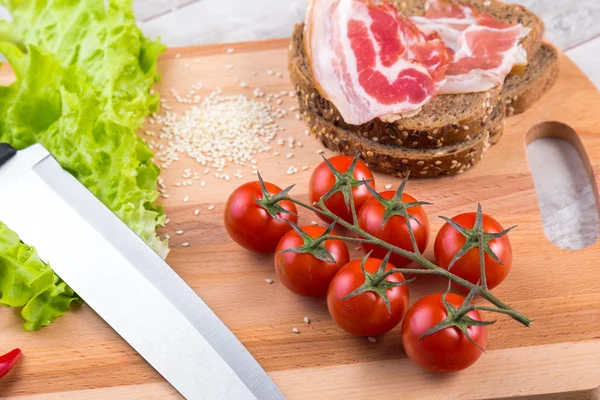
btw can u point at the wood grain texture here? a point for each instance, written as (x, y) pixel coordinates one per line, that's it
(81, 357)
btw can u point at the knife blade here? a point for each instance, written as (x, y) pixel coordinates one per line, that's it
(125, 281)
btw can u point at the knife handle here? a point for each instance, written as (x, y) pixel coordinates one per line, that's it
(6, 152)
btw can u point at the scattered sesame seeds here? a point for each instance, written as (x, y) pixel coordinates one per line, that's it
(217, 131)
(270, 72)
(296, 330)
(164, 196)
(314, 223)
(196, 212)
(185, 244)
(179, 232)
(357, 248)
(243, 84)
(186, 199)
(211, 207)
(167, 236)
(306, 320)
(230, 50)
(305, 167)
(388, 186)
(276, 153)
(320, 151)
(372, 339)
(269, 281)
(289, 155)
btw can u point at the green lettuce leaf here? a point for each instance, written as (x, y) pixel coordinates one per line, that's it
(103, 40)
(28, 282)
(83, 79)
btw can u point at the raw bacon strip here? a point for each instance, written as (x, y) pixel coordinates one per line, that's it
(483, 49)
(370, 62)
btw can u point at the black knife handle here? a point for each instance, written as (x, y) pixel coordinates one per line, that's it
(6, 152)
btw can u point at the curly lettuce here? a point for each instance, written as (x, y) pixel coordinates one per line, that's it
(28, 282)
(84, 74)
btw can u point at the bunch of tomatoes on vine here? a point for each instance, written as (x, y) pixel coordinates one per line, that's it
(368, 297)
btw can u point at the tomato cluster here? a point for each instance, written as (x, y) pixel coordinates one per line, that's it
(369, 297)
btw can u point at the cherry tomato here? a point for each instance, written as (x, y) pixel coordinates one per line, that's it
(449, 241)
(365, 314)
(395, 232)
(322, 180)
(250, 225)
(447, 350)
(305, 274)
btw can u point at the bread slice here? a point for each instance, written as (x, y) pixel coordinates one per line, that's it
(400, 161)
(444, 121)
(495, 126)
(509, 13)
(520, 92)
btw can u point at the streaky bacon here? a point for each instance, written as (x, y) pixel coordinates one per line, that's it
(370, 62)
(483, 49)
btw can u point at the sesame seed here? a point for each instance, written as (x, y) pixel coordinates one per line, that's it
(269, 281)
(228, 66)
(466, 128)
(295, 330)
(304, 168)
(179, 232)
(186, 199)
(167, 221)
(357, 248)
(388, 186)
(211, 207)
(164, 196)
(196, 212)
(270, 72)
(203, 183)
(306, 320)
(230, 50)
(185, 244)
(177, 55)
(243, 84)
(372, 339)
(320, 151)
(289, 155)
(275, 153)
(167, 236)
(313, 223)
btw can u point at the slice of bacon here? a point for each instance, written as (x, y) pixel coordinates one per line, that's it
(369, 61)
(483, 49)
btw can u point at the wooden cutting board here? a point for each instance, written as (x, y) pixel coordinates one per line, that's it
(80, 357)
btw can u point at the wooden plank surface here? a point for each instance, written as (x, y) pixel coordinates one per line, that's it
(81, 357)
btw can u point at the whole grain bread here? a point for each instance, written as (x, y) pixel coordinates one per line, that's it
(444, 121)
(495, 126)
(400, 161)
(509, 13)
(520, 92)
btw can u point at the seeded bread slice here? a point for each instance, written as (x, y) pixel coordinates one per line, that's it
(495, 126)
(520, 92)
(509, 13)
(446, 120)
(399, 161)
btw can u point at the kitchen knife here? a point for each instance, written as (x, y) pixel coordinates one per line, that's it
(125, 281)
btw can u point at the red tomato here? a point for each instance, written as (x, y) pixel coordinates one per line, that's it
(395, 232)
(449, 241)
(250, 225)
(447, 350)
(322, 180)
(304, 274)
(365, 314)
